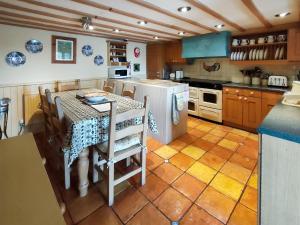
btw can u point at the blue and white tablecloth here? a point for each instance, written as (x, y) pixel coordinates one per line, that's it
(86, 126)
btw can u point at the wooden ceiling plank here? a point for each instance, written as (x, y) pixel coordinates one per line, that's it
(62, 23)
(251, 6)
(61, 26)
(99, 18)
(5, 22)
(132, 15)
(213, 13)
(170, 14)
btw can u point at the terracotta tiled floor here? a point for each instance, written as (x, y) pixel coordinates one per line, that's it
(207, 176)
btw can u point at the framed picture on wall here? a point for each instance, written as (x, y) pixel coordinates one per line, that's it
(63, 50)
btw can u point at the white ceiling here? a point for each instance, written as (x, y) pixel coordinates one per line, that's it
(162, 16)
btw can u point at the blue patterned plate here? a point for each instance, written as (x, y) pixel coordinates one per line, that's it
(98, 60)
(87, 50)
(34, 46)
(15, 59)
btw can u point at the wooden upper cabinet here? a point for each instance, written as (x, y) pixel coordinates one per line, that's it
(155, 60)
(173, 52)
(233, 109)
(293, 53)
(251, 112)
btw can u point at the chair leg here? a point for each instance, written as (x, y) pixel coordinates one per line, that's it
(110, 184)
(95, 171)
(143, 165)
(67, 171)
(128, 162)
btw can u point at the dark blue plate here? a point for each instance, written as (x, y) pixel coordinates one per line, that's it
(34, 46)
(87, 50)
(98, 60)
(15, 59)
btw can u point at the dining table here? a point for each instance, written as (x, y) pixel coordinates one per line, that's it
(88, 125)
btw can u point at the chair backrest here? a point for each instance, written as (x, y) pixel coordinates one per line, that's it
(133, 129)
(56, 114)
(44, 102)
(69, 86)
(108, 88)
(128, 93)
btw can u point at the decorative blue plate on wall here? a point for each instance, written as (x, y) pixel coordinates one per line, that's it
(98, 60)
(15, 59)
(87, 50)
(34, 46)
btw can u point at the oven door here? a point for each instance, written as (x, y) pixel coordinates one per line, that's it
(193, 105)
(210, 98)
(193, 92)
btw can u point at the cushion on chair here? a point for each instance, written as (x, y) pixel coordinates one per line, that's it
(121, 144)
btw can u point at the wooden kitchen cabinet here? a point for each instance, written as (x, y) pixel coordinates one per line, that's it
(269, 100)
(155, 60)
(173, 52)
(246, 108)
(233, 109)
(293, 53)
(251, 112)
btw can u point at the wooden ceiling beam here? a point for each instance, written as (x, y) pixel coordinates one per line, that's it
(213, 13)
(78, 25)
(132, 15)
(96, 17)
(69, 31)
(170, 14)
(72, 28)
(250, 5)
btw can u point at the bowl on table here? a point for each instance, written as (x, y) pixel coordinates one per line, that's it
(95, 97)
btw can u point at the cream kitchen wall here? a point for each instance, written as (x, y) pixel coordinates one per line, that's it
(230, 71)
(19, 83)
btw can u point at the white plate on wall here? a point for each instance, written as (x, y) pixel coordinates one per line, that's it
(254, 54)
(231, 55)
(257, 54)
(261, 54)
(265, 54)
(281, 53)
(277, 53)
(245, 55)
(234, 55)
(250, 54)
(241, 56)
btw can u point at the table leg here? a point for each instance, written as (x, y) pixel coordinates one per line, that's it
(83, 169)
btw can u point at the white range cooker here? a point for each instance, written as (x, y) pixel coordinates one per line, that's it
(205, 98)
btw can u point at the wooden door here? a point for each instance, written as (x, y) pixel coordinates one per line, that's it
(251, 112)
(155, 60)
(269, 100)
(293, 53)
(233, 109)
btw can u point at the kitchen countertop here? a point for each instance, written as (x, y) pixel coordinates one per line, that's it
(283, 122)
(261, 88)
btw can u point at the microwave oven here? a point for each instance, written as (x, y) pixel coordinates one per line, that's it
(118, 72)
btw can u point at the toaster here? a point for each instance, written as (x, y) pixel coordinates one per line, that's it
(278, 81)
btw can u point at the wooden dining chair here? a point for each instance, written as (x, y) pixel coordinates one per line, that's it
(46, 111)
(128, 93)
(62, 86)
(59, 128)
(122, 144)
(108, 88)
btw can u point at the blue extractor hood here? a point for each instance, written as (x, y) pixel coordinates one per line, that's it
(207, 45)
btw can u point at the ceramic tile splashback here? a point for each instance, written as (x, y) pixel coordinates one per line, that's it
(230, 71)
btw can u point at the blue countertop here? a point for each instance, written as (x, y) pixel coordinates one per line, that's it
(283, 122)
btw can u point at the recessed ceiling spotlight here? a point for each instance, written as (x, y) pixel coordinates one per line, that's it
(142, 22)
(181, 33)
(184, 9)
(281, 15)
(116, 30)
(155, 37)
(219, 26)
